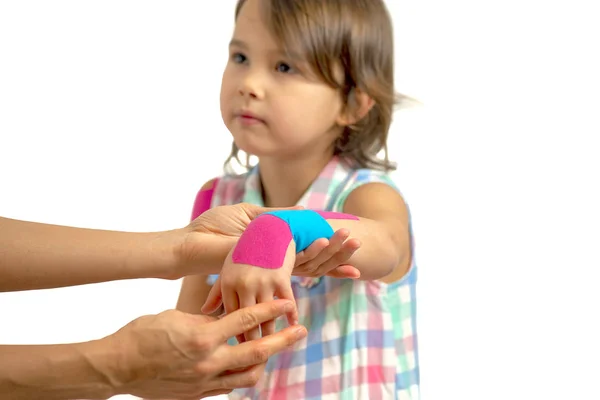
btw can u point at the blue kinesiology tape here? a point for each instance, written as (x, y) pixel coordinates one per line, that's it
(306, 226)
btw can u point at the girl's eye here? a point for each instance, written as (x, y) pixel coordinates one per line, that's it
(284, 67)
(238, 58)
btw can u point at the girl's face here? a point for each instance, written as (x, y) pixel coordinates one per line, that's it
(272, 104)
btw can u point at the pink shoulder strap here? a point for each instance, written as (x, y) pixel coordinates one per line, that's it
(203, 200)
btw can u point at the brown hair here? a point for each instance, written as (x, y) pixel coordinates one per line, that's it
(355, 36)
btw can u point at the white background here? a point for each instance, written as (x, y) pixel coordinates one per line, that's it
(109, 119)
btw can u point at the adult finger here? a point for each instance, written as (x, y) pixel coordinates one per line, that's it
(258, 351)
(212, 393)
(254, 211)
(246, 378)
(245, 319)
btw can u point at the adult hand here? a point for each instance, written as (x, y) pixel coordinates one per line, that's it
(202, 246)
(183, 356)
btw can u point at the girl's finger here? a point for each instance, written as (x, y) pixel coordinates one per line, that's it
(339, 258)
(311, 251)
(266, 328)
(284, 291)
(346, 251)
(231, 303)
(214, 299)
(335, 244)
(344, 272)
(248, 300)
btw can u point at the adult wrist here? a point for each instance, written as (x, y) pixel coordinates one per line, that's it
(100, 364)
(200, 253)
(155, 255)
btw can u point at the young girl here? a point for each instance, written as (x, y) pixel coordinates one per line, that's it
(309, 91)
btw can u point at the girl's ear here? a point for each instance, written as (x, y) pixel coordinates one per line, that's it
(359, 105)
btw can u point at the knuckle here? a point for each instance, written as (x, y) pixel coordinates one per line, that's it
(314, 250)
(333, 249)
(203, 369)
(168, 314)
(311, 266)
(254, 376)
(240, 281)
(222, 383)
(202, 344)
(260, 355)
(248, 320)
(251, 378)
(341, 256)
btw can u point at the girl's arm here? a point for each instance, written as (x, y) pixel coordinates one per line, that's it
(195, 288)
(382, 229)
(193, 294)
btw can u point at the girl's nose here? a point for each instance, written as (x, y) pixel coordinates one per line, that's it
(252, 87)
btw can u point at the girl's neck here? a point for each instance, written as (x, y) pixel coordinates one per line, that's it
(284, 181)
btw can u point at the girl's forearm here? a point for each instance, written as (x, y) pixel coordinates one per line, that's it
(41, 256)
(265, 239)
(379, 252)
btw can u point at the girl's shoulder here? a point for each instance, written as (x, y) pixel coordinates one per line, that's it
(355, 178)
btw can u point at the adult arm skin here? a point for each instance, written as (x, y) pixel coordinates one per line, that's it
(168, 355)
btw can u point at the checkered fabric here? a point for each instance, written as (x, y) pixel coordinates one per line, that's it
(362, 340)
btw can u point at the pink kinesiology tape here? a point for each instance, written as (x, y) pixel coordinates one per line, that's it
(263, 243)
(266, 239)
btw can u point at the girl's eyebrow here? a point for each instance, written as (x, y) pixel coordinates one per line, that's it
(238, 43)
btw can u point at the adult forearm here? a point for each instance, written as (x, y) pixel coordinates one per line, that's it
(39, 256)
(53, 372)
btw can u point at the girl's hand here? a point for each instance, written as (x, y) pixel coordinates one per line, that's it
(243, 285)
(201, 247)
(328, 257)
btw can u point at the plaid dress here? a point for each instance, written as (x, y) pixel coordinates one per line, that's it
(362, 340)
